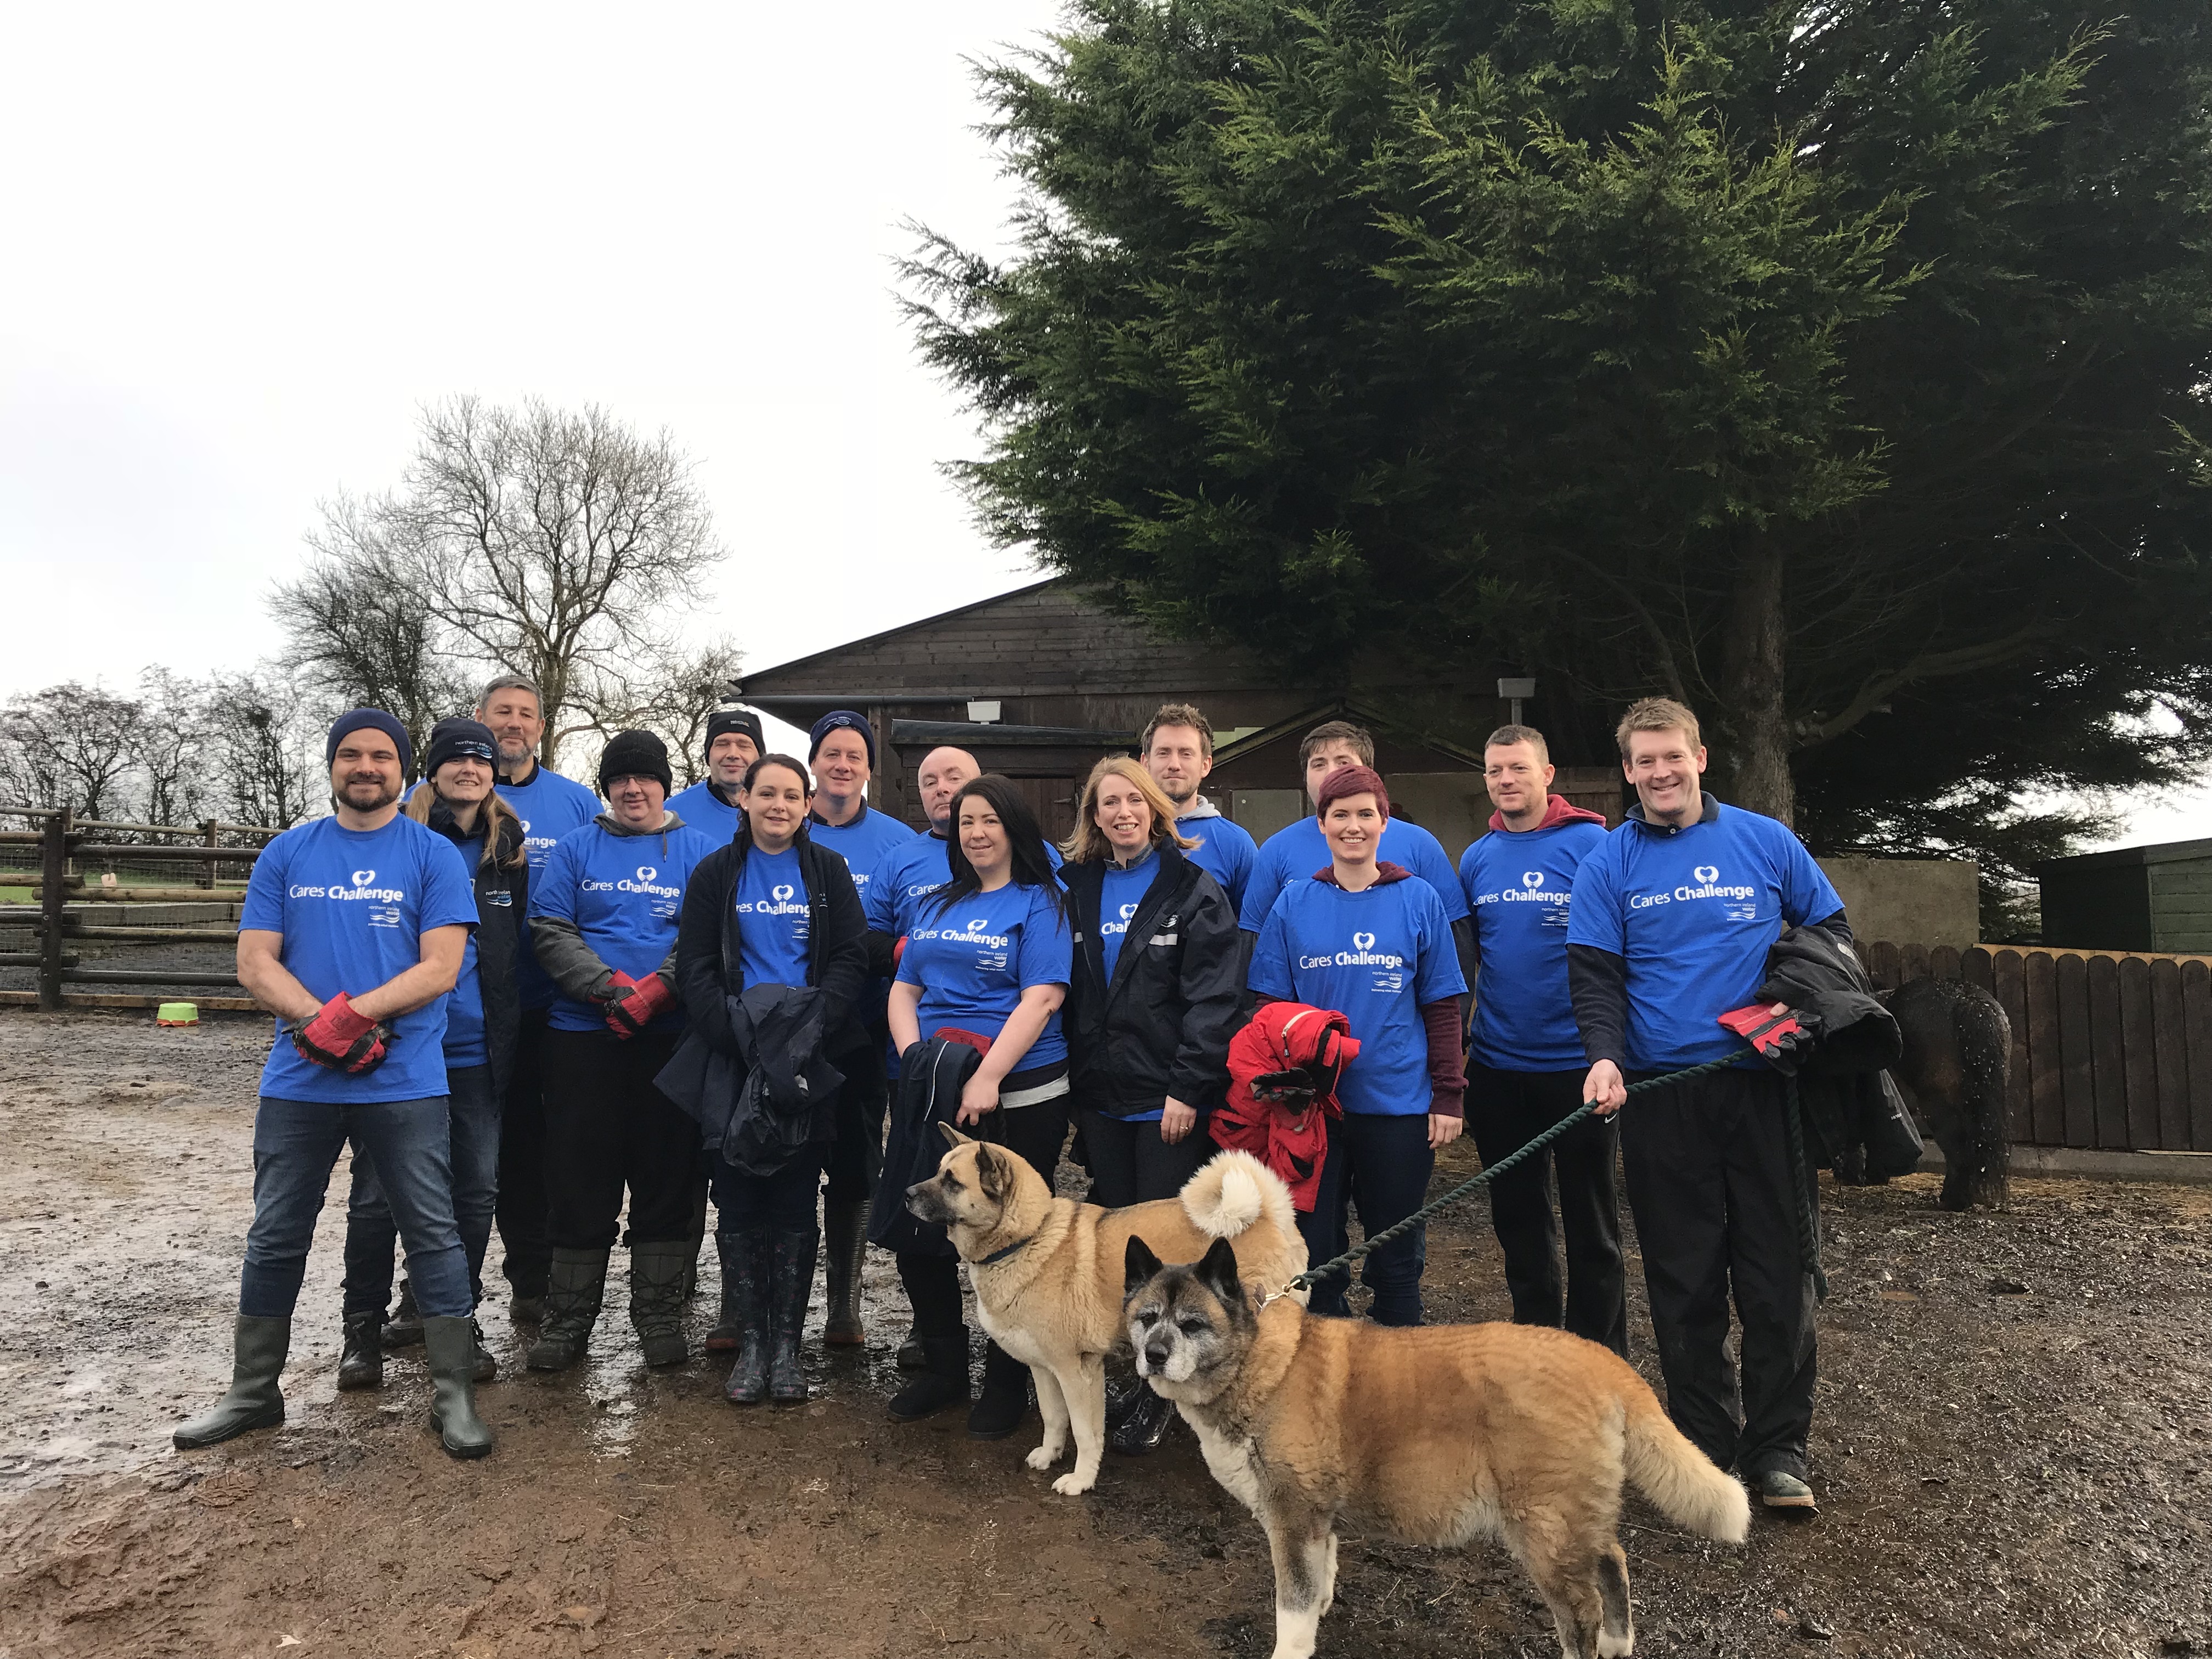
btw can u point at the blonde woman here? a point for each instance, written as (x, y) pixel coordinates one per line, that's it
(1151, 1004)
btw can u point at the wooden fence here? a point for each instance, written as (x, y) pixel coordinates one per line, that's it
(64, 844)
(2110, 1050)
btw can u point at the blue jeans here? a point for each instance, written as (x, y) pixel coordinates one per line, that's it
(295, 1148)
(1383, 1165)
(473, 1117)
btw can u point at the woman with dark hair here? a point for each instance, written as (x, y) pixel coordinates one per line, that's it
(985, 963)
(1371, 940)
(772, 910)
(1151, 1004)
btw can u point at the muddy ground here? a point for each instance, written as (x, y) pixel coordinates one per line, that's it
(2012, 1447)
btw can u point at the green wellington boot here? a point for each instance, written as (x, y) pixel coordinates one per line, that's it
(450, 1347)
(255, 1401)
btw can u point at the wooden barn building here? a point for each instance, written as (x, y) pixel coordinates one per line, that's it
(1040, 684)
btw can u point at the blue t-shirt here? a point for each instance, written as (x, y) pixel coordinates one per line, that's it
(1375, 958)
(352, 906)
(624, 894)
(772, 919)
(1297, 851)
(707, 812)
(550, 806)
(1119, 895)
(1225, 850)
(1517, 887)
(866, 843)
(1693, 912)
(973, 962)
(909, 873)
(466, 1044)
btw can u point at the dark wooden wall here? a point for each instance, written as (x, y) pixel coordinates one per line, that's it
(2109, 1050)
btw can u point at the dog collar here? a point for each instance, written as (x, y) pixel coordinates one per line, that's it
(997, 1256)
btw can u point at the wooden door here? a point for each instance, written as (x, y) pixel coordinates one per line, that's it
(1053, 800)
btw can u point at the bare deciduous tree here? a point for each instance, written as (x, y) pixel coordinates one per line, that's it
(171, 747)
(263, 764)
(552, 543)
(71, 746)
(676, 701)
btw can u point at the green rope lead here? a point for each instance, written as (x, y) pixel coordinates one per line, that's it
(1311, 1275)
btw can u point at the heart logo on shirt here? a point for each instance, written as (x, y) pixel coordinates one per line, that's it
(1129, 910)
(1707, 872)
(784, 891)
(362, 877)
(1362, 941)
(1532, 877)
(979, 924)
(647, 872)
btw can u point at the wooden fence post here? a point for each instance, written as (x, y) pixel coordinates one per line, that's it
(207, 874)
(53, 892)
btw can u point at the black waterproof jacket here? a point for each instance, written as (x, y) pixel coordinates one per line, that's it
(932, 1074)
(760, 1108)
(1161, 1026)
(1842, 1084)
(502, 904)
(707, 970)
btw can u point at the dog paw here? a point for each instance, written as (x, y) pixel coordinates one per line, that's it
(1074, 1483)
(1042, 1458)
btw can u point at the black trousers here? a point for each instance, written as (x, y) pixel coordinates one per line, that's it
(1505, 1110)
(779, 1203)
(521, 1214)
(1383, 1165)
(1713, 1189)
(1131, 1164)
(1036, 1134)
(856, 1156)
(607, 1127)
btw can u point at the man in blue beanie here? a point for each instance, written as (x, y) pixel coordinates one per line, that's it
(354, 933)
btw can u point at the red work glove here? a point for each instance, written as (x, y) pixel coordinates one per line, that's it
(1782, 1042)
(340, 1038)
(636, 1002)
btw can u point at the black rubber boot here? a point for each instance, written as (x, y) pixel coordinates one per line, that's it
(404, 1328)
(745, 1276)
(1146, 1425)
(575, 1283)
(844, 1247)
(449, 1347)
(360, 1365)
(1004, 1399)
(257, 1349)
(656, 1299)
(724, 1336)
(945, 1382)
(789, 1286)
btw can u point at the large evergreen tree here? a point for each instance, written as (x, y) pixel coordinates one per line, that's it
(1838, 368)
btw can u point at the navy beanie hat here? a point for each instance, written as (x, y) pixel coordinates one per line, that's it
(838, 720)
(355, 719)
(460, 738)
(736, 720)
(635, 755)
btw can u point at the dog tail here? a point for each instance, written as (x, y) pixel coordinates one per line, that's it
(1678, 1477)
(1233, 1191)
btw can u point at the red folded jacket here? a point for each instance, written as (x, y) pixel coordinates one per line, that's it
(1283, 1069)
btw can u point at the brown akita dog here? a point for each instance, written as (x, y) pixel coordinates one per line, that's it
(1048, 1271)
(1435, 1435)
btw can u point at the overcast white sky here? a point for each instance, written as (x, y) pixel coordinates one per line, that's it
(246, 243)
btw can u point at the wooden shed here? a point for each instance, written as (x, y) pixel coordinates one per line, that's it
(1040, 683)
(2134, 898)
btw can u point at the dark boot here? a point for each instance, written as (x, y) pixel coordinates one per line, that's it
(258, 1347)
(1004, 1399)
(724, 1336)
(360, 1365)
(575, 1283)
(745, 1277)
(526, 1309)
(1123, 1390)
(1146, 1425)
(792, 1282)
(845, 1246)
(912, 1356)
(404, 1328)
(449, 1347)
(486, 1367)
(943, 1383)
(656, 1299)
